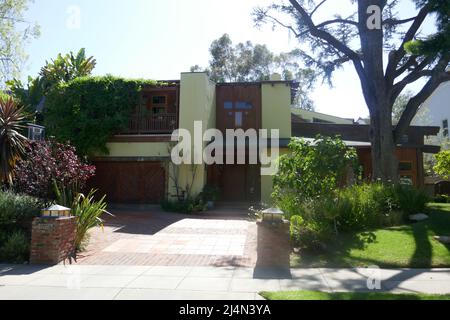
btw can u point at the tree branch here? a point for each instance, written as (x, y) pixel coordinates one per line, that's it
(346, 21)
(338, 45)
(439, 75)
(327, 37)
(410, 78)
(416, 74)
(397, 55)
(283, 25)
(412, 61)
(317, 7)
(395, 22)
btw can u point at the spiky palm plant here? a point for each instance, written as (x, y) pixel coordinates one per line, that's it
(12, 142)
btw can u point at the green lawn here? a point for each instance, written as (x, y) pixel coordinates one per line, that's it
(410, 246)
(316, 295)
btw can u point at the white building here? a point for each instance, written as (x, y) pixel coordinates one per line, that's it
(437, 109)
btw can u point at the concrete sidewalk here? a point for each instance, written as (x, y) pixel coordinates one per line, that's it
(202, 283)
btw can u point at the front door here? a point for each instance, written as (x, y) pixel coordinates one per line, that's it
(237, 183)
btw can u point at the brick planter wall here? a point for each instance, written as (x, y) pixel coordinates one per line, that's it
(274, 247)
(52, 240)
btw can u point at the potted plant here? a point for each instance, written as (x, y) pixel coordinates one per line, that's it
(210, 195)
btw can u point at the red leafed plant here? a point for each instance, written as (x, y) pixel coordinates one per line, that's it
(49, 167)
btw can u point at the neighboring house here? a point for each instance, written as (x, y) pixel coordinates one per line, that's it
(317, 117)
(138, 168)
(437, 109)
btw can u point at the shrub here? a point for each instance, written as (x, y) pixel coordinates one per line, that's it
(352, 209)
(88, 213)
(442, 166)
(16, 248)
(410, 200)
(48, 164)
(185, 206)
(17, 209)
(313, 169)
(312, 234)
(442, 198)
(12, 142)
(16, 214)
(209, 193)
(87, 111)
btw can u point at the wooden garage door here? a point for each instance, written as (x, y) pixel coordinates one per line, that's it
(130, 182)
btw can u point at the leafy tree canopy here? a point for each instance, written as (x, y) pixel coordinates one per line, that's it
(15, 32)
(442, 166)
(246, 62)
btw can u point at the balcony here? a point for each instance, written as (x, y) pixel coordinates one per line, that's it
(152, 124)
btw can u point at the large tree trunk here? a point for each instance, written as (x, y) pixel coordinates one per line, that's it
(384, 159)
(376, 94)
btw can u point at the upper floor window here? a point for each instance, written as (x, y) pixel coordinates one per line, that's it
(445, 128)
(159, 100)
(228, 105)
(243, 105)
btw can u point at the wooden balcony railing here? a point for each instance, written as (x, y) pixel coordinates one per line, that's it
(148, 124)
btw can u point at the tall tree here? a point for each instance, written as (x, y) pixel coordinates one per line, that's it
(15, 31)
(388, 52)
(246, 62)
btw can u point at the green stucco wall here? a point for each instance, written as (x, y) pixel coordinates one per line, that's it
(197, 103)
(276, 114)
(276, 107)
(138, 149)
(267, 183)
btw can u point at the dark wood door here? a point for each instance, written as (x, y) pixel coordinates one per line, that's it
(236, 182)
(238, 107)
(130, 182)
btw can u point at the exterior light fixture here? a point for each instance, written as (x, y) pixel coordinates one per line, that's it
(272, 215)
(35, 132)
(55, 211)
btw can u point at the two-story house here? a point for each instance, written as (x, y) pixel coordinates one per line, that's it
(138, 168)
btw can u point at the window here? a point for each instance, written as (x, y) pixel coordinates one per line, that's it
(243, 105)
(159, 100)
(445, 128)
(405, 166)
(238, 119)
(228, 105)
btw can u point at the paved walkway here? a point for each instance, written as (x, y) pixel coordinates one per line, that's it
(151, 237)
(200, 283)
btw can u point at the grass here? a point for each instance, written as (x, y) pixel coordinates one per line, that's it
(408, 246)
(317, 295)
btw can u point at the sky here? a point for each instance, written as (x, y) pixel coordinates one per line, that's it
(159, 39)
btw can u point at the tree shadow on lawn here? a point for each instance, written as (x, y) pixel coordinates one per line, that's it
(339, 252)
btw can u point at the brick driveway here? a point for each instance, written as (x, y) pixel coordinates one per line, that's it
(151, 237)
